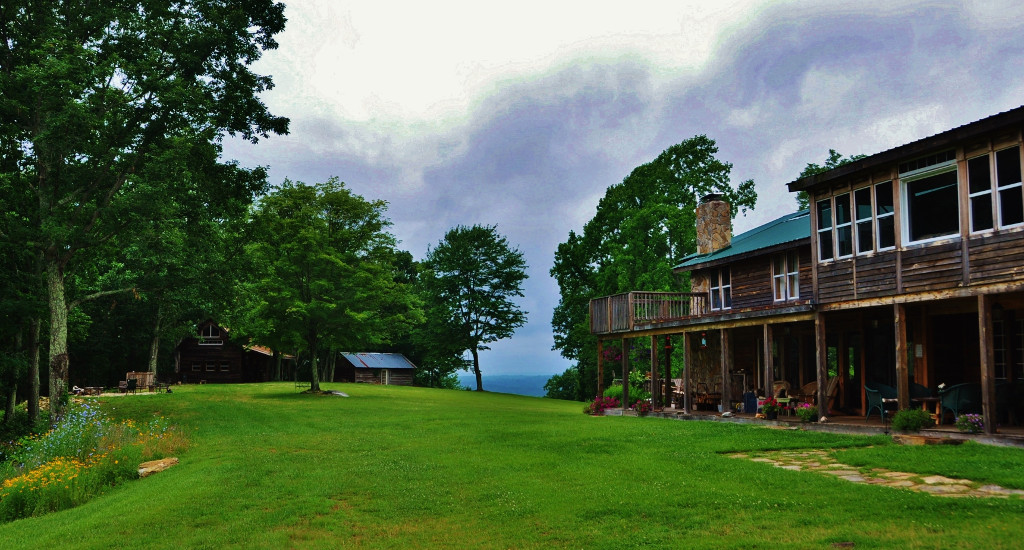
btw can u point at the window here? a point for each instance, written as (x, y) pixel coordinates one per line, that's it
(721, 289)
(211, 367)
(844, 230)
(979, 191)
(224, 367)
(885, 216)
(825, 230)
(210, 331)
(932, 204)
(1008, 185)
(865, 223)
(786, 276)
(196, 367)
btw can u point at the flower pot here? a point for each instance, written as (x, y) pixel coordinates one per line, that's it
(774, 415)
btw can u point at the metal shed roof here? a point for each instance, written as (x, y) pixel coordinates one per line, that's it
(378, 360)
(786, 229)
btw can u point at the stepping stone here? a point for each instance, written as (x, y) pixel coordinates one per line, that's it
(943, 489)
(898, 475)
(762, 459)
(901, 483)
(794, 467)
(854, 478)
(933, 480)
(842, 473)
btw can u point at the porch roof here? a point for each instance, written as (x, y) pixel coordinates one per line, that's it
(783, 230)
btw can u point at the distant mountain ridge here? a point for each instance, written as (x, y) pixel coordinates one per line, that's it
(519, 384)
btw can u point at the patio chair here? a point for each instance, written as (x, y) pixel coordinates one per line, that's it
(122, 386)
(132, 385)
(875, 393)
(918, 391)
(831, 390)
(808, 393)
(961, 398)
(778, 386)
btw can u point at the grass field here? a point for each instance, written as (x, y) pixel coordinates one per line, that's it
(394, 467)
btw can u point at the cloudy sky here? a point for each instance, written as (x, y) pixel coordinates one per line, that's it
(521, 114)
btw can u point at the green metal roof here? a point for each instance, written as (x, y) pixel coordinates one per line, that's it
(788, 228)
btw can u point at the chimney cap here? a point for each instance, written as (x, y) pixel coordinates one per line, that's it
(710, 197)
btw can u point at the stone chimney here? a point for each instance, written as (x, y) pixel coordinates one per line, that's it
(714, 224)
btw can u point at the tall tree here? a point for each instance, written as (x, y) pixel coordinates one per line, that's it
(93, 92)
(642, 228)
(834, 160)
(472, 277)
(329, 281)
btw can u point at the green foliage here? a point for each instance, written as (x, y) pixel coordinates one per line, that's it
(643, 227)
(807, 412)
(970, 423)
(834, 160)
(470, 281)
(562, 386)
(911, 420)
(615, 390)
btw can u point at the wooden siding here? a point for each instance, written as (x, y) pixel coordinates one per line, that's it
(876, 275)
(932, 267)
(751, 283)
(835, 281)
(996, 257)
(396, 377)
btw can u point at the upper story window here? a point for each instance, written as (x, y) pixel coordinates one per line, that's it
(210, 335)
(931, 202)
(885, 217)
(844, 229)
(1005, 187)
(786, 276)
(721, 289)
(825, 251)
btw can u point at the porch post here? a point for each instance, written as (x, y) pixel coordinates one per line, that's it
(600, 368)
(655, 386)
(726, 349)
(821, 351)
(769, 361)
(902, 372)
(687, 369)
(667, 398)
(988, 363)
(625, 376)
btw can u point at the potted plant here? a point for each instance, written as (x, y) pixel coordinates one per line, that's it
(807, 412)
(970, 423)
(771, 407)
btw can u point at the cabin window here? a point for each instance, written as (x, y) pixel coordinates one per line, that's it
(979, 191)
(885, 216)
(786, 276)
(1008, 184)
(932, 205)
(196, 367)
(210, 336)
(865, 223)
(211, 367)
(224, 367)
(721, 289)
(844, 229)
(825, 230)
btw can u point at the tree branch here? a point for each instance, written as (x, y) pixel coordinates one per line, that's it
(96, 295)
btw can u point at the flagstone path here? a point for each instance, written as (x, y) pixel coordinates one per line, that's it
(823, 463)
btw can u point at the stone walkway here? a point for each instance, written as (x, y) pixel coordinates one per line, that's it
(821, 462)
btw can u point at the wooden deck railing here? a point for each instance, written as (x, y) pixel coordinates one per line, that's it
(623, 312)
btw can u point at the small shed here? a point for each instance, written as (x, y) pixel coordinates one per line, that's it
(376, 368)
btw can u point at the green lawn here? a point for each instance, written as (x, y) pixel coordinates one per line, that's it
(394, 467)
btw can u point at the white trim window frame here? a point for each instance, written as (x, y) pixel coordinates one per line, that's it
(720, 291)
(844, 226)
(885, 216)
(826, 248)
(1008, 187)
(925, 189)
(979, 193)
(786, 276)
(864, 222)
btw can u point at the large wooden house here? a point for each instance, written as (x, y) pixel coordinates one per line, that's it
(211, 356)
(908, 274)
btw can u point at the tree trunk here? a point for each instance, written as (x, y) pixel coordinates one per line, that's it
(58, 338)
(476, 369)
(277, 366)
(154, 346)
(33, 370)
(314, 383)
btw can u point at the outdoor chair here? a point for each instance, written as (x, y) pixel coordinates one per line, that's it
(122, 386)
(780, 388)
(808, 393)
(830, 394)
(917, 391)
(132, 385)
(961, 398)
(875, 394)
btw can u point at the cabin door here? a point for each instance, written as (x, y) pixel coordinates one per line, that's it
(384, 376)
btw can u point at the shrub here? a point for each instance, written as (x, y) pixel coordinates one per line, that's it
(911, 420)
(600, 404)
(642, 406)
(807, 412)
(614, 391)
(970, 423)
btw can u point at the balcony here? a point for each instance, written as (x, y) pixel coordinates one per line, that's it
(625, 312)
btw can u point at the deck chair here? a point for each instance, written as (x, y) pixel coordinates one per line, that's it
(131, 386)
(780, 385)
(808, 393)
(875, 394)
(961, 398)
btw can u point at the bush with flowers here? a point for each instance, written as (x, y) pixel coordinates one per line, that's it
(601, 404)
(771, 406)
(642, 406)
(970, 423)
(807, 412)
(82, 455)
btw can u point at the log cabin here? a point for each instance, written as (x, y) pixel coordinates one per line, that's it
(211, 356)
(910, 277)
(389, 369)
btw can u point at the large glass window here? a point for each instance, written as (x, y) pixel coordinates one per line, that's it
(786, 276)
(865, 223)
(932, 206)
(979, 190)
(1011, 201)
(825, 251)
(721, 289)
(844, 228)
(885, 216)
